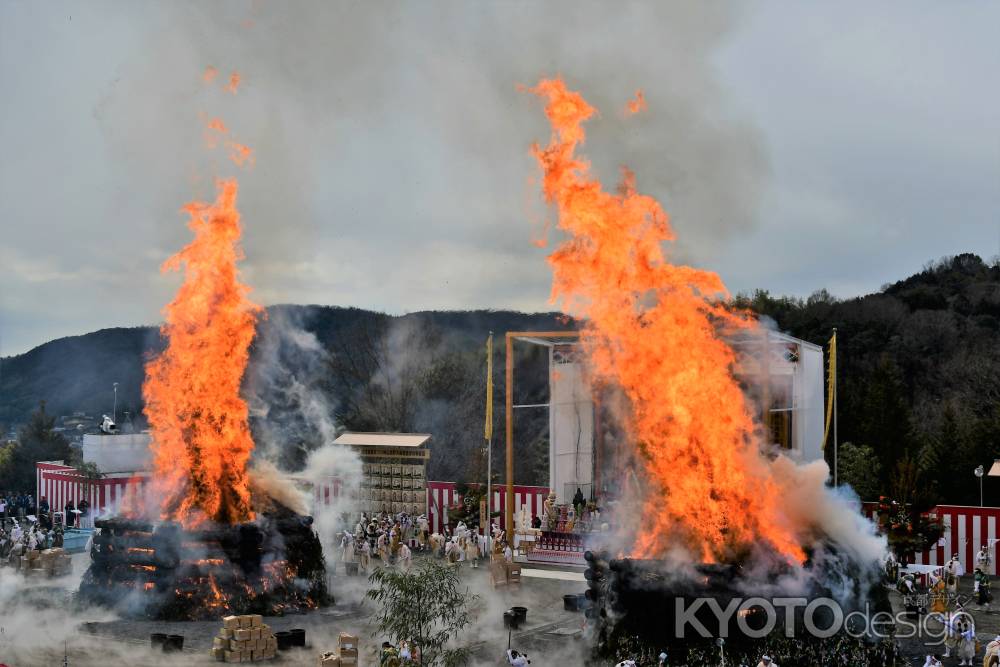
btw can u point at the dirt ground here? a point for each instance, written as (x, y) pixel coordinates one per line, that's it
(38, 626)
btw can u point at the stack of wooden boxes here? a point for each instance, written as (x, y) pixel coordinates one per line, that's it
(29, 562)
(244, 639)
(346, 654)
(45, 563)
(56, 562)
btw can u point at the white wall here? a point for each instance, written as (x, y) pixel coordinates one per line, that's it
(571, 429)
(123, 452)
(809, 403)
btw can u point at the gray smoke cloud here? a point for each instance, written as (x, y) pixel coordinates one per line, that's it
(392, 166)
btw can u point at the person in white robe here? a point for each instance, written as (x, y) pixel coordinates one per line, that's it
(951, 631)
(365, 557)
(992, 657)
(404, 557)
(382, 545)
(347, 547)
(472, 551)
(953, 570)
(966, 640)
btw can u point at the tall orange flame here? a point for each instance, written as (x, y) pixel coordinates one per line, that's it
(201, 437)
(653, 331)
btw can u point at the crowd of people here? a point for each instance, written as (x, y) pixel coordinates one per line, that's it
(17, 539)
(22, 506)
(407, 653)
(16, 504)
(777, 651)
(393, 539)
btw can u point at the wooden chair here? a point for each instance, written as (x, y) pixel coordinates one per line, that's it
(514, 574)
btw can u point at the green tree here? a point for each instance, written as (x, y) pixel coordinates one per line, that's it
(426, 606)
(860, 469)
(91, 477)
(885, 416)
(36, 441)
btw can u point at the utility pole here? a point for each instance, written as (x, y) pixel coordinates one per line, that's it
(114, 410)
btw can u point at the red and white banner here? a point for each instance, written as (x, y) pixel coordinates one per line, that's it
(442, 495)
(60, 484)
(966, 530)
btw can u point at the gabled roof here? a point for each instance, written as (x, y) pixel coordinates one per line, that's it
(383, 439)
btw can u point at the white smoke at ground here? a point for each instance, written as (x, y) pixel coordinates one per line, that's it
(39, 624)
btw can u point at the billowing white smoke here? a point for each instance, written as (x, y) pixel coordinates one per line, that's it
(287, 372)
(835, 514)
(844, 549)
(288, 404)
(327, 465)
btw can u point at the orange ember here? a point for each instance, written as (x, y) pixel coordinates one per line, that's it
(201, 439)
(217, 125)
(210, 74)
(653, 331)
(242, 156)
(234, 83)
(214, 130)
(636, 104)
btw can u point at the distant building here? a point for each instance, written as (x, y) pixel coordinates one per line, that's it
(394, 469)
(121, 452)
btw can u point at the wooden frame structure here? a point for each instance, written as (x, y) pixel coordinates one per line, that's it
(511, 336)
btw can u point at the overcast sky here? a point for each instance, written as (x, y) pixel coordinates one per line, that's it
(796, 145)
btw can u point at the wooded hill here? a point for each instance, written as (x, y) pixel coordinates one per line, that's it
(919, 379)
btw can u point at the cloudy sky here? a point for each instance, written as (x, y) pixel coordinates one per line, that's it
(796, 145)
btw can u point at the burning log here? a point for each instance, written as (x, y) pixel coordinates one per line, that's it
(271, 566)
(654, 603)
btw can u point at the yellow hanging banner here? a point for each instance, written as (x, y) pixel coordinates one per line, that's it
(831, 387)
(488, 430)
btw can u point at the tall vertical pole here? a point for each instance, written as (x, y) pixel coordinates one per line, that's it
(114, 410)
(509, 417)
(489, 444)
(836, 443)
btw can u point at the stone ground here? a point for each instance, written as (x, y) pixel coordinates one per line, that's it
(38, 627)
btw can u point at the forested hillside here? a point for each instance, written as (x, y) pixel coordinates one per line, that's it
(314, 367)
(919, 379)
